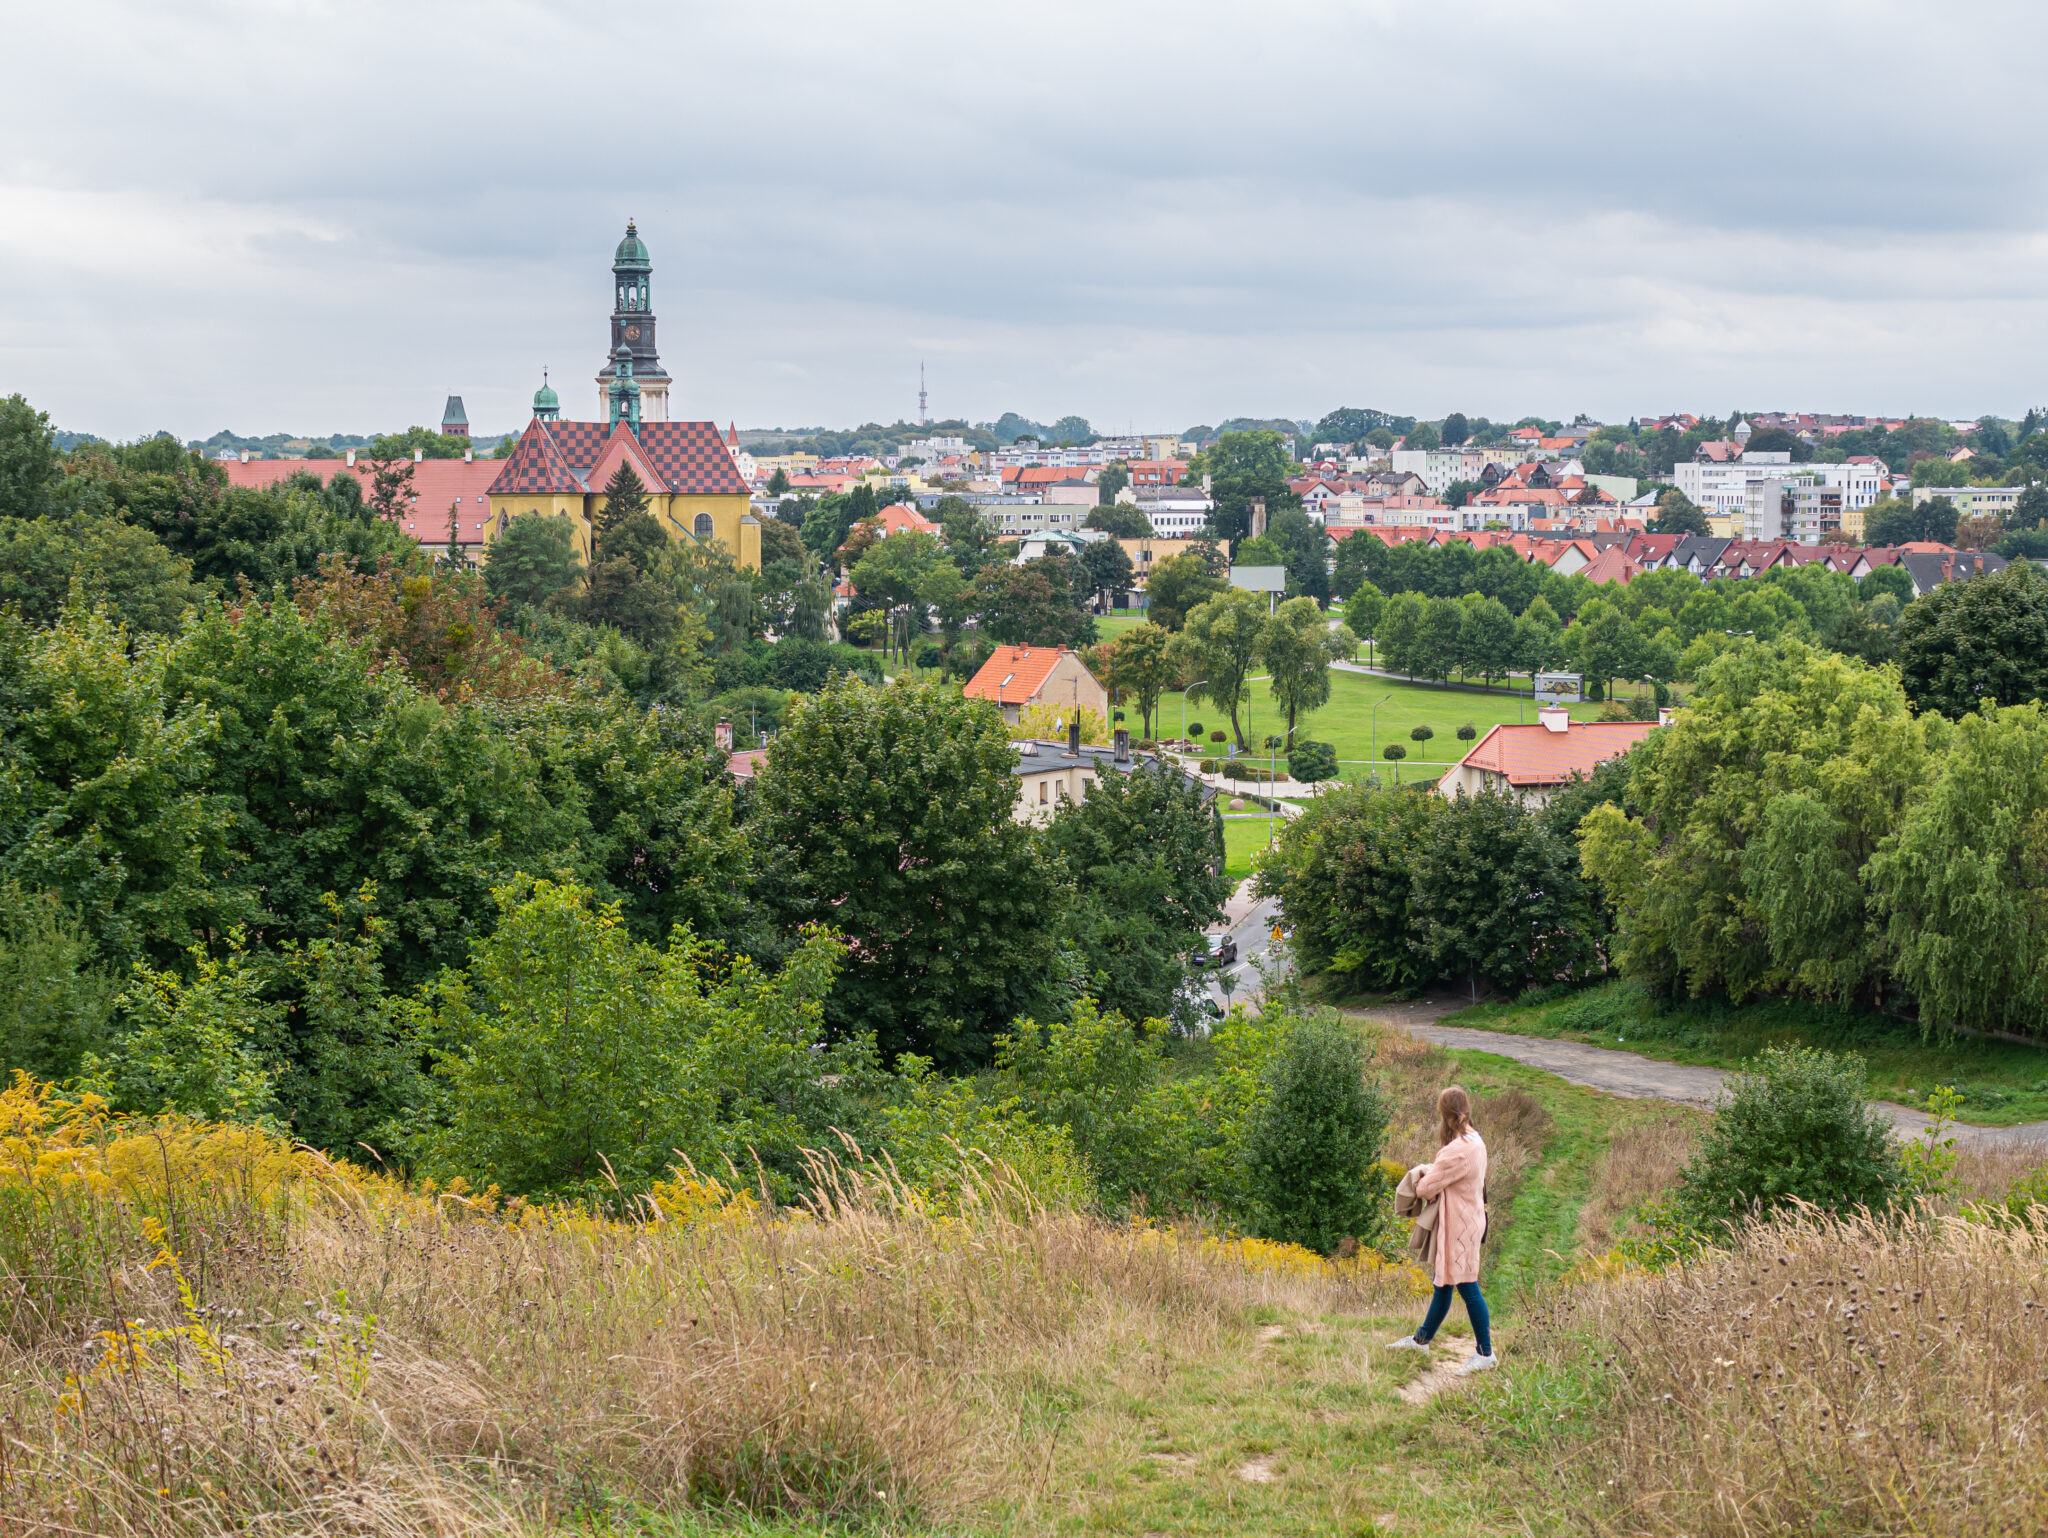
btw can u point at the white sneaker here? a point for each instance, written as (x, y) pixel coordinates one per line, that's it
(1477, 1363)
(1408, 1343)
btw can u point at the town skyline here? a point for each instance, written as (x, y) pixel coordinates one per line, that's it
(1147, 216)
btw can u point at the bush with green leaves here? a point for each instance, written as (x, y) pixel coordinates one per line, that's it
(1312, 762)
(1393, 752)
(1796, 1125)
(1420, 733)
(1312, 1149)
(579, 1061)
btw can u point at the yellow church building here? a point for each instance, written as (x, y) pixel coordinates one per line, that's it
(560, 469)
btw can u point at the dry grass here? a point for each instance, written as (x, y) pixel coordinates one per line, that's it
(1642, 1162)
(405, 1363)
(1824, 1377)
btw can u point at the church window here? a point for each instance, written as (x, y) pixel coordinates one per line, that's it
(703, 525)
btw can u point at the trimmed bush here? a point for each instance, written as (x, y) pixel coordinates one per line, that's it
(1394, 751)
(1208, 766)
(1310, 762)
(1420, 734)
(1467, 732)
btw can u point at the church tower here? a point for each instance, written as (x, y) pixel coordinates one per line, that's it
(633, 330)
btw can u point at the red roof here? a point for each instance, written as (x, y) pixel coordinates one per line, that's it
(435, 484)
(690, 458)
(1536, 755)
(895, 518)
(1611, 565)
(1013, 674)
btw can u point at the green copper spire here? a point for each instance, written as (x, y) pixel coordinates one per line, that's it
(546, 404)
(625, 390)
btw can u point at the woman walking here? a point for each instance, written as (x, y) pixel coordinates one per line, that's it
(1457, 1182)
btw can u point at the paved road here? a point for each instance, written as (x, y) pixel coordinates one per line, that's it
(1249, 920)
(1642, 1078)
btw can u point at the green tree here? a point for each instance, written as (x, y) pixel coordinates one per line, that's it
(1400, 632)
(1139, 664)
(1311, 762)
(203, 1045)
(1119, 520)
(1676, 514)
(1034, 604)
(1145, 853)
(1961, 889)
(1114, 478)
(1298, 650)
(1487, 637)
(1221, 644)
(1363, 611)
(1455, 430)
(94, 562)
(887, 813)
(1440, 638)
(575, 1056)
(778, 483)
(1499, 899)
(30, 466)
(1982, 638)
(893, 569)
(1177, 585)
(1108, 566)
(1896, 522)
(625, 496)
(55, 1004)
(1243, 466)
(534, 559)
(1344, 873)
(1313, 1146)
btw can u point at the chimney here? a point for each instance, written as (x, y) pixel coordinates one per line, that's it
(1666, 715)
(722, 735)
(1554, 718)
(418, 455)
(1123, 744)
(468, 455)
(1257, 507)
(351, 459)
(1074, 736)
(245, 456)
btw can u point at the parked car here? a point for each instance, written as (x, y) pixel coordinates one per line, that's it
(1219, 951)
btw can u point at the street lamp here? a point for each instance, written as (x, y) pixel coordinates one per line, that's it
(1376, 727)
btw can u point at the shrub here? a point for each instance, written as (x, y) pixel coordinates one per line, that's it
(1219, 736)
(1394, 751)
(1614, 1010)
(928, 654)
(1310, 762)
(1420, 734)
(1796, 1125)
(1467, 732)
(1312, 1149)
(1194, 731)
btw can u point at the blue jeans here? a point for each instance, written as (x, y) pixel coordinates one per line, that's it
(1475, 1310)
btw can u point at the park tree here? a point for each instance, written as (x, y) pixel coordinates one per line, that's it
(1222, 642)
(1312, 1149)
(886, 814)
(1488, 637)
(1177, 585)
(893, 570)
(1034, 604)
(1114, 478)
(46, 563)
(1400, 632)
(1108, 566)
(1298, 650)
(1440, 639)
(1455, 430)
(1344, 874)
(1139, 665)
(1363, 610)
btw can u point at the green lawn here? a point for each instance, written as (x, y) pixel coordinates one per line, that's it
(1109, 626)
(1347, 721)
(2002, 1082)
(1243, 836)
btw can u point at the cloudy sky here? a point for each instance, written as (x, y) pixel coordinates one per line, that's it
(315, 216)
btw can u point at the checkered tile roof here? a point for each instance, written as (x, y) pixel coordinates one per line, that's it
(555, 458)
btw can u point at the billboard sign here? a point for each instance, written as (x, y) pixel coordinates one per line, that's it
(1560, 688)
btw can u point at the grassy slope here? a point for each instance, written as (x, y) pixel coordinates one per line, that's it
(1347, 721)
(1243, 836)
(2002, 1082)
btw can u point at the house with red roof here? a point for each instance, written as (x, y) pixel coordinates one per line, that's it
(1015, 678)
(1534, 763)
(443, 491)
(1611, 565)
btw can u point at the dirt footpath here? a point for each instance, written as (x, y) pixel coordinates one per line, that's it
(1642, 1078)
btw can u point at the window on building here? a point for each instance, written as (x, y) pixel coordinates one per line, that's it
(1043, 793)
(703, 526)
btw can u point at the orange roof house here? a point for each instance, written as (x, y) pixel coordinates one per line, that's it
(1533, 763)
(1611, 565)
(437, 485)
(1017, 677)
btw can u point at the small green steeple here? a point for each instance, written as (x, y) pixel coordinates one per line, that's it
(546, 404)
(624, 390)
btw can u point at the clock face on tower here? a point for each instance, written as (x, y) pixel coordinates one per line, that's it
(632, 333)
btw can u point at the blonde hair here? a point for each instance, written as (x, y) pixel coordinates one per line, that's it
(1453, 1113)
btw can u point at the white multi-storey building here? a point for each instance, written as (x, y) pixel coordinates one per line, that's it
(1723, 487)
